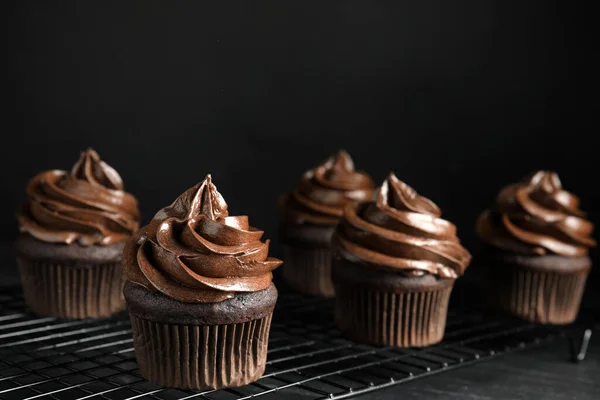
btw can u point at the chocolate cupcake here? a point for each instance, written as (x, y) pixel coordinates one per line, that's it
(395, 263)
(73, 229)
(309, 216)
(200, 294)
(537, 257)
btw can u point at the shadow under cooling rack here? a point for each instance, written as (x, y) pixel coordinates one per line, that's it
(44, 357)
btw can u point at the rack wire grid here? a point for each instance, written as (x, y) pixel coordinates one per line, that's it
(43, 357)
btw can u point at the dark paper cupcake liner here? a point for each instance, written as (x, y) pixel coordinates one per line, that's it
(409, 319)
(201, 357)
(308, 270)
(72, 291)
(538, 296)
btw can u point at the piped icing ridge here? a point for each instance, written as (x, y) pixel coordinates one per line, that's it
(403, 232)
(194, 252)
(325, 190)
(87, 205)
(536, 216)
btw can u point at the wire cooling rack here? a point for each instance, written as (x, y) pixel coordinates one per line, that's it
(43, 357)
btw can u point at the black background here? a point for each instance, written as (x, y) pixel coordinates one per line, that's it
(458, 98)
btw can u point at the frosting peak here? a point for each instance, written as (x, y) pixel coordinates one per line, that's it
(339, 164)
(208, 201)
(536, 216)
(325, 190)
(193, 251)
(87, 206)
(399, 195)
(92, 169)
(548, 181)
(401, 231)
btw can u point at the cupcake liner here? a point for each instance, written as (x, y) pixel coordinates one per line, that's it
(72, 291)
(308, 270)
(405, 319)
(539, 296)
(201, 357)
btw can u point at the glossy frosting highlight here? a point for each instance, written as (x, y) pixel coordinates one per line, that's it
(194, 252)
(401, 231)
(87, 205)
(536, 216)
(325, 191)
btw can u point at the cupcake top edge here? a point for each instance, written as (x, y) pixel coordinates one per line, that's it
(87, 205)
(193, 251)
(401, 231)
(536, 216)
(324, 191)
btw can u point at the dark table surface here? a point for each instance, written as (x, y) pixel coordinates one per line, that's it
(542, 373)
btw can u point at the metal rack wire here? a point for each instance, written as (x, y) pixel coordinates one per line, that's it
(43, 357)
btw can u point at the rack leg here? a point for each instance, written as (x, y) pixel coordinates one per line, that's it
(579, 350)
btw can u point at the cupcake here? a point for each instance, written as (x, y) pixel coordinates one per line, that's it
(200, 294)
(537, 250)
(309, 216)
(394, 265)
(73, 230)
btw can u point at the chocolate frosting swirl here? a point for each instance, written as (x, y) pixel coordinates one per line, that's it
(536, 216)
(194, 252)
(87, 206)
(402, 232)
(324, 192)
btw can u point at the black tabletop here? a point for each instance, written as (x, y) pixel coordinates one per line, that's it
(546, 372)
